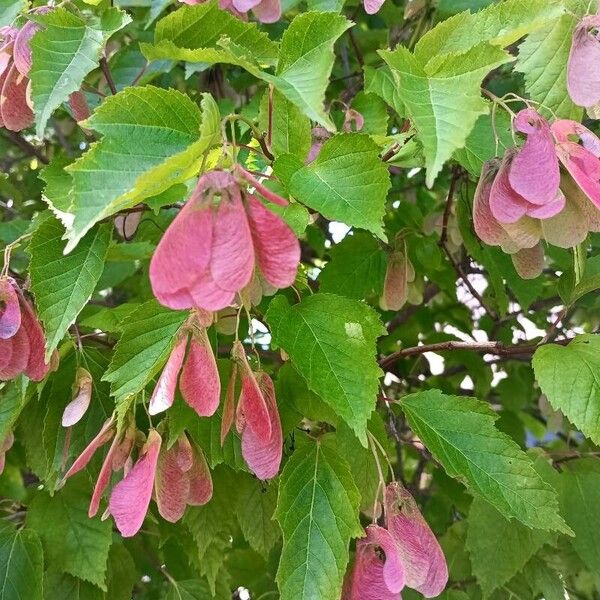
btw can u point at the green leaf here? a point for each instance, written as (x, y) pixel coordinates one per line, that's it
(147, 340)
(347, 182)
(305, 58)
(191, 589)
(254, 509)
(290, 127)
(73, 543)
(21, 564)
(543, 58)
(62, 586)
(56, 194)
(544, 579)
(153, 139)
(356, 269)
(381, 82)
(318, 513)
(460, 434)
(193, 33)
(13, 402)
(63, 53)
(305, 61)
(498, 547)
(331, 342)
(580, 503)
(480, 146)
(429, 93)
(9, 10)
(500, 24)
(568, 376)
(62, 285)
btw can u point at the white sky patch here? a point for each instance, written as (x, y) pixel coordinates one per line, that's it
(436, 362)
(243, 593)
(338, 231)
(467, 383)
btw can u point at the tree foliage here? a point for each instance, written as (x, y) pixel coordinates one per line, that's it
(299, 299)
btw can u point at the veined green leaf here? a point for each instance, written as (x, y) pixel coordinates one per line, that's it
(347, 182)
(318, 513)
(61, 284)
(64, 51)
(460, 434)
(568, 376)
(498, 547)
(500, 24)
(21, 564)
(152, 139)
(429, 93)
(72, 541)
(331, 342)
(147, 339)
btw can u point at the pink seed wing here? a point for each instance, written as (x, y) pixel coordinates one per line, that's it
(252, 407)
(10, 311)
(568, 228)
(583, 167)
(19, 355)
(264, 457)
(200, 384)
(201, 485)
(185, 453)
(81, 111)
(505, 204)
(420, 552)
(534, 173)
(75, 410)
(103, 478)
(183, 254)
(106, 432)
(277, 248)
(395, 286)
(367, 580)
(229, 404)
(171, 486)
(232, 260)
(130, 498)
(36, 368)
(393, 570)
(583, 78)
(15, 111)
(163, 395)
(529, 262)
(548, 210)
(372, 6)
(22, 51)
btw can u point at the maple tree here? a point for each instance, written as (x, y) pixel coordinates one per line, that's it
(299, 299)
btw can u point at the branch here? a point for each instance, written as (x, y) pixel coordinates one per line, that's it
(456, 175)
(29, 149)
(497, 348)
(107, 75)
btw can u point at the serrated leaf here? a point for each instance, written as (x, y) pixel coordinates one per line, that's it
(143, 152)
(356, 269)
(331, 342)
(568, 376)
(190, 589)
(305, 57)
(62, 285)
(255, 506)
(429, 93)
(21, 564)
(147, 339)
(192, 33)
(543, 58)
(500, 24)
(347, 182)
(460, 434)
(318, 513)
(9, 10)
(64, 51)
(498, 547)
(57, 190)
(62, 586)
(73, 543)
(580, 503)
(291, 131)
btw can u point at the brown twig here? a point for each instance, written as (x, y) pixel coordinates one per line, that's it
(29, 149)
(107, 75)
(497, 348)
